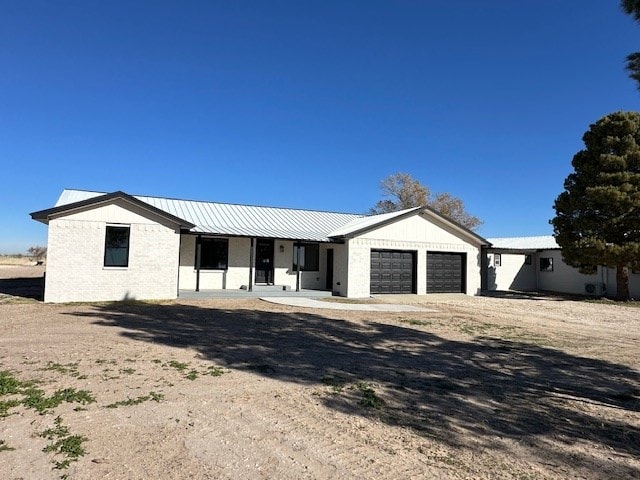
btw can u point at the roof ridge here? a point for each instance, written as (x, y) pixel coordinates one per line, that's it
(226, 203)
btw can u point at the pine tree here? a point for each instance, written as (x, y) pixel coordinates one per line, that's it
(598, 215)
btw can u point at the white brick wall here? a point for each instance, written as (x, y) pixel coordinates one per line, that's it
(415, 234)
(75, 257)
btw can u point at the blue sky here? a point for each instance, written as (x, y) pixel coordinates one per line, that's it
(304, 104)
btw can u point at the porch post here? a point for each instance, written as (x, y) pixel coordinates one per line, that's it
(251, 266)
(298, 267)
(198, 260)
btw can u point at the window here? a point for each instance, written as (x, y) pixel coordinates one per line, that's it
(546, 264)
(214, 253)
(309, 257)
(116, 247)
(527, 260)
(497, 259)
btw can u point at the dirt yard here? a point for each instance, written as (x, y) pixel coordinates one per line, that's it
(483, 388)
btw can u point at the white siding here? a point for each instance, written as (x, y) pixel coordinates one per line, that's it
(75, 258)
(513, 273)
(564, 278)
(415, 234)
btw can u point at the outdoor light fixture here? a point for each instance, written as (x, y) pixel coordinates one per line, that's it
(281, 248)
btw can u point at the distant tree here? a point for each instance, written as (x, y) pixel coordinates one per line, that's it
(402, 191)
(37, 252)
(597, 218)
(632, 7)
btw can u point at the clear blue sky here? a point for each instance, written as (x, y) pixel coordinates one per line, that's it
(304, 103)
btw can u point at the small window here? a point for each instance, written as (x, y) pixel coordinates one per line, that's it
(546, 264)
(214, 253)
(528, 260)
(116, 247)
(309, 257)
(497, 259)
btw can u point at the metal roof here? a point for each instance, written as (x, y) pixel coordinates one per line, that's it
(363, 223)
(541, 242)
(240, 220)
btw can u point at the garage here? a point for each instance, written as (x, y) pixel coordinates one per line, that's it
(446, 272)
(393, 271)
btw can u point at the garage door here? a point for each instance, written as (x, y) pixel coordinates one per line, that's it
(446, 272)
(392, 271)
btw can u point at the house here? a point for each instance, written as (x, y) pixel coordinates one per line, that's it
(536, 264)
(114, 246)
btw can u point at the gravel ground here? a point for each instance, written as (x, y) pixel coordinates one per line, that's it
(480, 388)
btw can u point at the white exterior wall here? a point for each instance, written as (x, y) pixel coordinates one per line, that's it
(564, 278)
(237, 273)
(415, 234)
(75, 257)
(513, 273)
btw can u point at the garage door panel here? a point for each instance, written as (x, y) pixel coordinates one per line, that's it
(445, 272)
(392, 271)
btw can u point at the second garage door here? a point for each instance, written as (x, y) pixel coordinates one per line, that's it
(392, 271)
(446, 272)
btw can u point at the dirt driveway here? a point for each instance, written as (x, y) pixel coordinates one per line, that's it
(483, 388)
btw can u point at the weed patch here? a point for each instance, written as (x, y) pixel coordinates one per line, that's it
(415, 321)
(4, 447)
(153, 396)
(63, 443)
(369, 397)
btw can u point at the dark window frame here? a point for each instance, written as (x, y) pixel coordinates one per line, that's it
(209, 259)
(113, 252)
(315, 258)
(546, 264)
(528, 259)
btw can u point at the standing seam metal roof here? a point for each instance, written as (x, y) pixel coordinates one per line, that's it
(240, 220)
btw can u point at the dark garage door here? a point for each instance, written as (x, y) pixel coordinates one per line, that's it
(446, 272)
(392, 271)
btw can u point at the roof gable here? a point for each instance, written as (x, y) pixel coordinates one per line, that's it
(103, 199)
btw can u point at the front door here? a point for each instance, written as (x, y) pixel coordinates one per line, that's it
(264, 261)
(329, 282)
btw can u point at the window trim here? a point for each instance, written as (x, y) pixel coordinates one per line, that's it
(294, 266)
(497, 259)
(127, 248)
(199, 240)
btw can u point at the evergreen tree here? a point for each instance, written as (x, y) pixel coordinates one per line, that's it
(598, 215)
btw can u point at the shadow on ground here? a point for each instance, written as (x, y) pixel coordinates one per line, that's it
(29, 287)
(482, 389)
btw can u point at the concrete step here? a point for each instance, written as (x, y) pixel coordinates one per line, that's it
(268, 288)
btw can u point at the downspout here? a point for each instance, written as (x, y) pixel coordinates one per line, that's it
(198, 260)
(251, 266)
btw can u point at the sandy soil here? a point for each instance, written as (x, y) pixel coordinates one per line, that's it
(483, 388)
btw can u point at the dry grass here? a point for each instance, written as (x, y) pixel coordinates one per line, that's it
(481, 388)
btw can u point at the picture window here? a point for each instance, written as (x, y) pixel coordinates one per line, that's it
(214, 253)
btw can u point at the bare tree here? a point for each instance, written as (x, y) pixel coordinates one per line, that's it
(38, 253)
(401, 191)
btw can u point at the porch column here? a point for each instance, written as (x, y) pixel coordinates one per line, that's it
(251, 260)
(198, 260)
(297, 266)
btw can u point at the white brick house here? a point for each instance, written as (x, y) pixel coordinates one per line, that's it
(116, 246)
(536, 264)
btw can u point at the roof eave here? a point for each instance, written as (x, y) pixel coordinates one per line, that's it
(45, 215)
